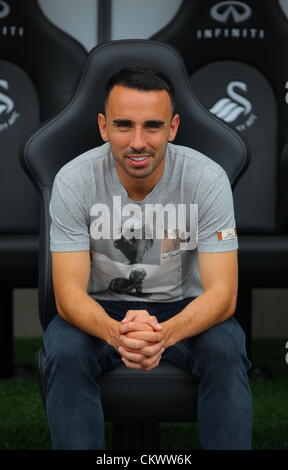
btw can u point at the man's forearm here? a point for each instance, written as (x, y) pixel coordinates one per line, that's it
(210, 308)
(85, 313)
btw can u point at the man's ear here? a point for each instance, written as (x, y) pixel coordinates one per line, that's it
(102, 126)
(174, 127)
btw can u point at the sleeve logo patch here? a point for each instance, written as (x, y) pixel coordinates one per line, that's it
(227, 234)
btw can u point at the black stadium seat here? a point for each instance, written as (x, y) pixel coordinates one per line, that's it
(39, 69)
(235, 53)
(73, 132)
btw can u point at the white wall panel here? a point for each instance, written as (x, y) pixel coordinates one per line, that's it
(76, 17)
(140, 19)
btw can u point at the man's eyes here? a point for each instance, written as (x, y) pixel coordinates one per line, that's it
(123, 125)
(153, 126)
(149, 125)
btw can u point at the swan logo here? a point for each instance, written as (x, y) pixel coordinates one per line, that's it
(236, 105)
(4, 9)
(8, 115)
(286, 96)
(238, 11)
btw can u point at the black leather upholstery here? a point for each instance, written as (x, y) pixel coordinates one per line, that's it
(241, 96)
(166, 393)
(50, 57)
(240, 47)
(39, 69)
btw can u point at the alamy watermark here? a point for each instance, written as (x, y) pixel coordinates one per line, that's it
(181, 222)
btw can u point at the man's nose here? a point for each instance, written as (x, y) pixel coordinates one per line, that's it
(138, 139)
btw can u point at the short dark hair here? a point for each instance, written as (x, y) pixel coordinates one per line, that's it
(140, 78)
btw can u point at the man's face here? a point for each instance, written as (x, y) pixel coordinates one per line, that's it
(138, 125)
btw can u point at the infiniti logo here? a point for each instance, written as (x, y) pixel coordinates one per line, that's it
(239, 11)
(4, 9)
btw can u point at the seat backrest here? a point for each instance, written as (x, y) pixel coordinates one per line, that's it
(75, 130)
(235, 54)
(39, 69)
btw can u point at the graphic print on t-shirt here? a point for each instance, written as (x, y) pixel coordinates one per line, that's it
(132, 250)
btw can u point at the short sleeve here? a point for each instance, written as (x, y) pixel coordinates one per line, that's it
(69, 230)
(216, 221)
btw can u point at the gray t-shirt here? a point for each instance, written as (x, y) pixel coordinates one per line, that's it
(143, 250)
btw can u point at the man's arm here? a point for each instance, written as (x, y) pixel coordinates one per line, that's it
(70, 272)
(70, 251)
(219, 276)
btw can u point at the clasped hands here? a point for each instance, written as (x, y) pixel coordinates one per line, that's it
(141, 340)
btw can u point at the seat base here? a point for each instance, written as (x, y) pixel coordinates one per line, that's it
(155, 390)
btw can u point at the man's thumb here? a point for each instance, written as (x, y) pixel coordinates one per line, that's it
(129, 316)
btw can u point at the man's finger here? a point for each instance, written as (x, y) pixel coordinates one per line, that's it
(145, 335)
(130, 316)
(152, 350)
(142, 316)
(132, 365)
(146, 351)
(133, 314)
(149, 364)
(131, 343)
(134, 326)
(131, 356)
(153, 321)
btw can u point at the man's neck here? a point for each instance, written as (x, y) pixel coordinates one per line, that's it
(138, 188)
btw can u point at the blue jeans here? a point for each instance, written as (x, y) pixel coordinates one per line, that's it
(216, 356)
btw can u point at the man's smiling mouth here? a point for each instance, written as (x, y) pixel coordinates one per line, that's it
(138, 160)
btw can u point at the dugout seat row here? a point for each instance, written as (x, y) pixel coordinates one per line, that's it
(235, 55)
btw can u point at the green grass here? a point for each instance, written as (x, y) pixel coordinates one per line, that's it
(23, 422)
(270, 396)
